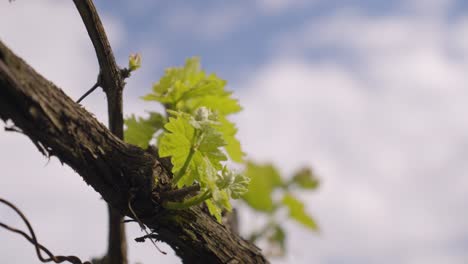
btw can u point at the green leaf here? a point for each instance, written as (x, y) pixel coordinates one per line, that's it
(206, 172)
(140, 131)
(188, 88)
(195, 170)
(263, 180)
(214, 210)
(184, 135)
(210, 93)
(210, 146)
(198, 135)
(225, 105)
(278, 237)
(176, 142)
(210, 141)
(175, 82)
(233, 147)
(297, 212)
(221, 199)
(210, 85)
(305, 179)
(235, 183)
(218, 202)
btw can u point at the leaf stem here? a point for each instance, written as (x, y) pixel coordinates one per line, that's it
(184, 168)
(182, 171)
(189, 202)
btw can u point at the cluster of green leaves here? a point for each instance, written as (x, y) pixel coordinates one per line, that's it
(269, 193)
(195, 133)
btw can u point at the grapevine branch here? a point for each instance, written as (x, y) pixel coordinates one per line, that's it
(112, 82)
(33, 240)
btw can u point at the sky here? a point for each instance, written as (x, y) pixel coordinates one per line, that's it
(370, 94)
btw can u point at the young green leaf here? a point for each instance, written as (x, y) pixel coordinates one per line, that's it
(175, 83)
(210, 93)
(214, 210)
(177, 142)
(305, 179)
(233, 146)
(210, 141)
(140, 131)
(194, 147)
(221, 199)
(206, 172)
(278, 237)
(263, 180)
(236, 184)
(297, 211)
(187, 89)
(134, 62)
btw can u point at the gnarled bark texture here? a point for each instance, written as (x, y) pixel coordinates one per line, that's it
(59, 127)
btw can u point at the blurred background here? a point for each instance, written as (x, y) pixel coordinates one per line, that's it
(371, 94)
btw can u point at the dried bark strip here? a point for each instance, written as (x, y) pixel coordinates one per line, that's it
(60, 127)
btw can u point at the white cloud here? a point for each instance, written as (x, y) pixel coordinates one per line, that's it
(354, 32)
(428, 7)
(211, 23)
(385, 133)
(278, 6)
(459, 37)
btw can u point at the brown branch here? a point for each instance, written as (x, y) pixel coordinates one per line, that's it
(110, 79)
(33, 240)
(112, 167)
(110, 71)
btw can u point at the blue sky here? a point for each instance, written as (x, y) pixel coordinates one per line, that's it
(371, 94)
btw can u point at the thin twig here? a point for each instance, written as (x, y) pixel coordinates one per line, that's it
(142, 226)
(95, 86)
(33, 240)
(88, 92)
(13, 129)
(143, 238)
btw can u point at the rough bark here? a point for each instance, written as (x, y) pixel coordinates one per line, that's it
(59, 127)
